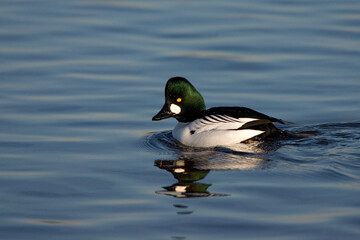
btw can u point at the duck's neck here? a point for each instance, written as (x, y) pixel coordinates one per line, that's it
(190, 116)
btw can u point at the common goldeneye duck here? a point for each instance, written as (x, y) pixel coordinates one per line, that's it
(217, 126)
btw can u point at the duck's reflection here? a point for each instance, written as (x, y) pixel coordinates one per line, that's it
(194, 165)
(183, 171)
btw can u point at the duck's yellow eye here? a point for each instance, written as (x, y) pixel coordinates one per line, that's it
(179, 100)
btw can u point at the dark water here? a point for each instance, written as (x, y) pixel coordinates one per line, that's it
(81, 159)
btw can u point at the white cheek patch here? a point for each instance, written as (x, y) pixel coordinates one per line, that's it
(175, 108)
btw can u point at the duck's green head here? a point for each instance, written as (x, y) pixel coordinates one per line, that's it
(182, 101)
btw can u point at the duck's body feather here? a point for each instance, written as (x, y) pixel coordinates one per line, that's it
(222, 126)
(240, 112)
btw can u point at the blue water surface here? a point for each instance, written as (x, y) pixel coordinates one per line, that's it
(80, 157)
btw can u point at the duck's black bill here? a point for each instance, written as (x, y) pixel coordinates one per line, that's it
(163, 114)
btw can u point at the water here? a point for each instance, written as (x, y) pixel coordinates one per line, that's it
(80, 157)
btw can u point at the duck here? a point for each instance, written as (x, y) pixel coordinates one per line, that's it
(213, 127)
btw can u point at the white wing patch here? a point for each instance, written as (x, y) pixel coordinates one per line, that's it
(218, 122)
